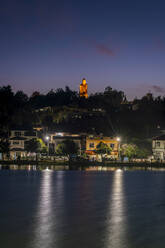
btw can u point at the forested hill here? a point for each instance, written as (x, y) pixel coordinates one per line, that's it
(106, 112)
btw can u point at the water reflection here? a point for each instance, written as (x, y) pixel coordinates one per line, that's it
(116, 220)
(44, 225)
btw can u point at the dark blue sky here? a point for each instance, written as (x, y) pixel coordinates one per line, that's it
(50, 44)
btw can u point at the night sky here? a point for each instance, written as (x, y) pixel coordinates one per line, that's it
(49, 44)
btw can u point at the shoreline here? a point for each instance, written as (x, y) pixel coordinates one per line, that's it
(79, 165)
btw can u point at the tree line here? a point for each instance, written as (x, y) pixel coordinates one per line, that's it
(108, 113)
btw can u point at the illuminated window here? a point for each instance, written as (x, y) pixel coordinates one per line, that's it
(112, 146)
(157, 144)
(17, 133)
(15, 142)
(91, 145)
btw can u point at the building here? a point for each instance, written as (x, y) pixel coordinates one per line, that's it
(57, 138)
(84, 89)
(92, 142)
(17, 141)
(158, 147)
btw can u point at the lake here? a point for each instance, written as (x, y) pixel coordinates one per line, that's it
(82, 209)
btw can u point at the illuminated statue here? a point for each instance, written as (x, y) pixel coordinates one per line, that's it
(84, 89)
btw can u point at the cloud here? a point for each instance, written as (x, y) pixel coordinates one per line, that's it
(158, 89)
(102, 49)
(141, 89)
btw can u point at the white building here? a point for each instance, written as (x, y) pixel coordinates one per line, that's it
(158, 147)
(17, 142)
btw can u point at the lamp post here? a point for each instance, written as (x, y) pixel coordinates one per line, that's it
(118, 139)
(47, 141)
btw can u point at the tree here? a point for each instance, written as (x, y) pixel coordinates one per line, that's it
(6, 112)
(102, 149)
(143, 153)
(32, 145)
(20, 99)
(43, 146)
(67, 147)
(129, 150)
(6, 106)
(4, 143)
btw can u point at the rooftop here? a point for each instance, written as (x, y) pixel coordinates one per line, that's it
(17, 150)
(18, 138)
(101, 138)
(67, 137)
(161, 137)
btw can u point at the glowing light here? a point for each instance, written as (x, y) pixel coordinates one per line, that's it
(84, 89)
(59, 134)
(47, 137)
(116, 233)
(44, 229)
(118, 138)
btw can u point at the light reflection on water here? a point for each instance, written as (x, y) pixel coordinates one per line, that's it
(67, 209)
(45, 228)
(116, 220)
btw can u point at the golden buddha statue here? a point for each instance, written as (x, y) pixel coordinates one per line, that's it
(84, 89)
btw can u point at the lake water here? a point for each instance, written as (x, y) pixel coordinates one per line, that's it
(82, 209)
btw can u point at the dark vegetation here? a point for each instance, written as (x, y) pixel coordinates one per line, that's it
(107, 113)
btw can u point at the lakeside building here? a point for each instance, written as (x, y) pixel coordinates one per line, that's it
(158, 147)
(93, 141)
(17, 140)
(58, 137)
(85, 143)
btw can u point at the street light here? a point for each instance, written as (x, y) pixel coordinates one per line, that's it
(118, 139)
(47, 139)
